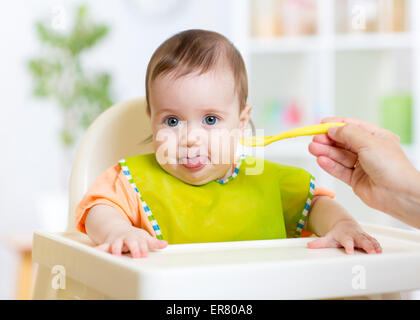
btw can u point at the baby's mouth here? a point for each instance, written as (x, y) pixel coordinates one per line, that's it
(194, 163)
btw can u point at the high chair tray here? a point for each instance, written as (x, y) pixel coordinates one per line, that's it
(264, 269)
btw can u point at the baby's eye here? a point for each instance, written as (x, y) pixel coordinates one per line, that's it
(210, 120)
(171, 121)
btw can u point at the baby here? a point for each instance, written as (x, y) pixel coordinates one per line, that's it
(196, 187)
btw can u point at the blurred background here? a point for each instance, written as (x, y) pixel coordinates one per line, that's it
(65, 62)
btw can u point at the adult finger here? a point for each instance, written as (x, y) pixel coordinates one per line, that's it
(324, 139)
(335, 169)
(344, 157)
(351, 136)
(370, 127)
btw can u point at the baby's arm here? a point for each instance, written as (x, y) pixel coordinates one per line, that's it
(337, 228)
(110, 213)
(107, 227)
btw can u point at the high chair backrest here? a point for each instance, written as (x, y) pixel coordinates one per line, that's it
(115, 134)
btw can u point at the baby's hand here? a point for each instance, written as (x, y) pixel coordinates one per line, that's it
(130, 239)
(349, 235)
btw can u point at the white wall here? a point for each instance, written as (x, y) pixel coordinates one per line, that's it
(34, 166)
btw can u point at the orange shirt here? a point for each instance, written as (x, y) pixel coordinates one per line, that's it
(113, 189)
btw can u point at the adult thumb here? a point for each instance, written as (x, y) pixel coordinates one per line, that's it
(351, 136)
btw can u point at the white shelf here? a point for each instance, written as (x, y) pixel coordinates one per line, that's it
(342, 42)
(378, 41)
(284, 44)
(313, 66)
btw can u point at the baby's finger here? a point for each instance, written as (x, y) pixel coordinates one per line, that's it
(376, 245)
(143, 248)
(348, 244)
(116, 247)
(156, 243)
(324, 242)
(103, 247)
(363, 242)
(133, 247)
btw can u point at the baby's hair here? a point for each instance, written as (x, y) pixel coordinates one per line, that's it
(197, 50)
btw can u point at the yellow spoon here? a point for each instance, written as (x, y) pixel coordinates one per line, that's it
(260, 141)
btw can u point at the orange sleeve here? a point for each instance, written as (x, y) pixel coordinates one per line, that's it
(320, 191)
(113, 189)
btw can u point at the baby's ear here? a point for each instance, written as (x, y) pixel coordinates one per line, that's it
(245, 116)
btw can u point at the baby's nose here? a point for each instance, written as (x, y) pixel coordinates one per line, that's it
(195, 137)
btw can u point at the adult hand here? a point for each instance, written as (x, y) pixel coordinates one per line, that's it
(370, 160)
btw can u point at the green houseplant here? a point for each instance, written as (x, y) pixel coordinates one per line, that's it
(59, 74)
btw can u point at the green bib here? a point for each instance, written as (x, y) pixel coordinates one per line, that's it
(269, 205)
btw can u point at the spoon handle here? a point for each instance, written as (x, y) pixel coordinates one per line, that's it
(306, 131)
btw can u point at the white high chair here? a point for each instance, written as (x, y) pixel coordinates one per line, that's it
(68, 267)
(117, 133)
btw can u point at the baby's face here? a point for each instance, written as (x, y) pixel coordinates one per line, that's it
(196, 123)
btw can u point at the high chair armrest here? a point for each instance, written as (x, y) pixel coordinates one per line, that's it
(264, 269)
